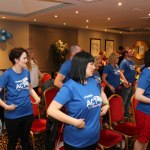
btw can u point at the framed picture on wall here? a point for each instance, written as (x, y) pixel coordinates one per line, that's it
(95, 46)
(109, 47)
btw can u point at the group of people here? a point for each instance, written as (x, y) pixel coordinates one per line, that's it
(81, 94)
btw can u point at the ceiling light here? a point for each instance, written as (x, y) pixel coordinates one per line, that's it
(87, 20)
(76, 12)
(34, 20)
(55, 16)
(105, 30)
(3, 17)
(87, 26)
(120, 32)
(119, 4)
(64, 23)
(108, 18)
(149, 14)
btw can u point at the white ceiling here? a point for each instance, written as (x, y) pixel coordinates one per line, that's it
(131, 16)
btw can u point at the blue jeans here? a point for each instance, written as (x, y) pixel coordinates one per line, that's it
(126, 94)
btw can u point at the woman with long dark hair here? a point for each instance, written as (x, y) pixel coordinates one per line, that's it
(82, 97)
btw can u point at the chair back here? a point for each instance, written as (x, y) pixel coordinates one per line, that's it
(46, 77)
(116, 110)
(134, 103)
(35, 108)
(49, 95)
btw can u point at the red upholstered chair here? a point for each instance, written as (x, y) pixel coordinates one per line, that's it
(134, 103)
(38, 124)
(109, 138)
(116, 119)
(49, 95)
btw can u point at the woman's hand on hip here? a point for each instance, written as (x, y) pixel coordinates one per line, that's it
(80, 123)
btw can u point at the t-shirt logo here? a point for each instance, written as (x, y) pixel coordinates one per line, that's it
(116, 71)
(94, 102)
(22, 84)
(132, 67)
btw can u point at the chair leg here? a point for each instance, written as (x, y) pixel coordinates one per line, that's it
(99, 147)
(32, 139)
(126, 143)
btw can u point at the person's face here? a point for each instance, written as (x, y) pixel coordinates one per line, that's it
(116, 60)
(22, 60)
(97, 64)
(90, 69)
(32, 54)
(130, 52)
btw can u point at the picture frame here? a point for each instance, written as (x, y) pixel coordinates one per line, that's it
(109, 47)
(95, 46)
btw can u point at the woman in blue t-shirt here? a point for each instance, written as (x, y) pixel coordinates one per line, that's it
(82, 97)
(111, 75)
(18, 109)
(143, 107)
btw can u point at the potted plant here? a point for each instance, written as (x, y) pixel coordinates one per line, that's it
(60, 52)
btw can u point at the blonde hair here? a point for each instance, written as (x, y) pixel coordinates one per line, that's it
(29, 50)
(96, 58)
(112, 57)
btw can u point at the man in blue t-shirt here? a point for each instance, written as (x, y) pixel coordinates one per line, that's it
(64, 73)
(127, 67)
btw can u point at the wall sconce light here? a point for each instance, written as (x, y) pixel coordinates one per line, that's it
(4, 35)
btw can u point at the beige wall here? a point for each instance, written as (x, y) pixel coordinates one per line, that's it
(85, 35)
(42, 37)
(20, 32)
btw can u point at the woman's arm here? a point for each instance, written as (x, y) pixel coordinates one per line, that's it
(55, 112)
(34, 95)
(139, 96)
(105, 106)
(104, 76)
(5, 106)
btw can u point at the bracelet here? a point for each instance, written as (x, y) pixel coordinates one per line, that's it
(105, 103)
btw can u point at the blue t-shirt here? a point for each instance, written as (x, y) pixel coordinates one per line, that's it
(113, 75)
(65, 70)
(97, 77)
(81, 101)
(129, 70)
(17, 92)
(144, 83)
(2, 93)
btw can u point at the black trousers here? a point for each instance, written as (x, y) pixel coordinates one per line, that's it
(91, 147)
(19, 128)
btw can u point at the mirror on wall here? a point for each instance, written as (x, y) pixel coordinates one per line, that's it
(140, 48)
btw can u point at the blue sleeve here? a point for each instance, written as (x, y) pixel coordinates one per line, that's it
(106, 70)
(29, 76)
(64, 95)
(144, 80)
(65, 69)
(122, 65)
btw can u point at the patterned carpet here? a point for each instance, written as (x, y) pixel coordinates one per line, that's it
(39, 142)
